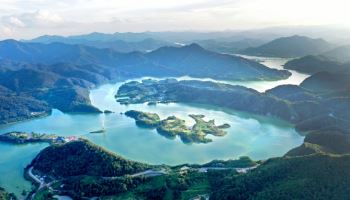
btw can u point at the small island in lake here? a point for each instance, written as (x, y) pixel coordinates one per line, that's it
(173, 126)
(99, 131)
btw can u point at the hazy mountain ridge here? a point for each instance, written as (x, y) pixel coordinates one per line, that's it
(313, 64)
(227, 45)
(339, 54)
(106, 41)
(289, 47)
(165, 59)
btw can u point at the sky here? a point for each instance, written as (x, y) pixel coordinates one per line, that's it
(24, 19)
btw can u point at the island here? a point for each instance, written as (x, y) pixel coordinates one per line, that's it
(99, 131)
(24, 138)
(173, 126)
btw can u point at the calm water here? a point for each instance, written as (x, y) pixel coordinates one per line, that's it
(251, 135)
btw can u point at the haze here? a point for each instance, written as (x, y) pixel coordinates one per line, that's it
(30, 18)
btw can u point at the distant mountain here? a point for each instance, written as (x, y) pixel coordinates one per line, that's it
(225, 46)
(314, 64)
(95, 36)
(339, 54)
(100, 40)
(294, 46)
(195, 61)
(55, 53)
(190, 60)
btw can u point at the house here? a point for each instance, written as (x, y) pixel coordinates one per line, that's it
(60, 139)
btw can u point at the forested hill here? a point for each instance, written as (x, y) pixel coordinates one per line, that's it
(83, 158)
(311, 177)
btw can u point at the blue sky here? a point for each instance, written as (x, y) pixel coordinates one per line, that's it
(30, 18)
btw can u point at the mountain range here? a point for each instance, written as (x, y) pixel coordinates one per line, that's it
(99, 40)
(56, 75)
(191, 60)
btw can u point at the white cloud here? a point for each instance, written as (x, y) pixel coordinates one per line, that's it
(15, 22)
(29, 18)
(39, 18)
(6, 31)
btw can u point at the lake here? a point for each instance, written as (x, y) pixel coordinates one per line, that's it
(249, 135)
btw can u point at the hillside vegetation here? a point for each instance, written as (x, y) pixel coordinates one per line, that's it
(83, 158)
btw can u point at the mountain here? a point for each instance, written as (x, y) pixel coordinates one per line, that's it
(327, 82)
(196, 61)
(316, 176)
(227, 46)
(339, 54)
(60, 75)
(190, 60)
(54, 53)
(313, 64)
(84, 158)
(16, 108)
(35, 89)
(286, 47)
(324, 141)
(80, 169)
(102, 41)
(93, 37)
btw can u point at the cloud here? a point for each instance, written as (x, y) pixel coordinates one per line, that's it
(6, 31)
(38, 18)
(15, 22)
(30, 18)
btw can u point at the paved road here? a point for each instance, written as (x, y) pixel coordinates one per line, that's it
(36, 179)
(147, 173)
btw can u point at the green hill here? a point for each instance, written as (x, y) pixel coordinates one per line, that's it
(83, 158)
(307, 177)
(323, 141)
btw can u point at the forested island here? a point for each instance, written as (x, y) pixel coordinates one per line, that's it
(173, 126)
